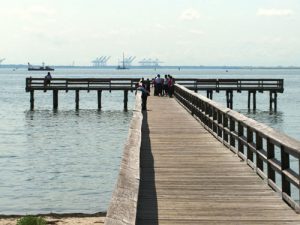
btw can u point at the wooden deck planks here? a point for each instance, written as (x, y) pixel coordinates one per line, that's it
(188, 177)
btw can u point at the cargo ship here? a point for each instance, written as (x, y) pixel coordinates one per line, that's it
(40, 68)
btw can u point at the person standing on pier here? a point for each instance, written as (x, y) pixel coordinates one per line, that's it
(166, 86)
(141, 87)
(171, 85)
(158, 83)
(148, 84)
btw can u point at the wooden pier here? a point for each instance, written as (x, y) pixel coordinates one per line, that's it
(252, 86)
(229, 86)
(215, 167)
(80, 84)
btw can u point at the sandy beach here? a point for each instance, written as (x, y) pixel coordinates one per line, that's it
(61, 219)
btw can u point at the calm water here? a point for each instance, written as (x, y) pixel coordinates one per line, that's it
(67, 160)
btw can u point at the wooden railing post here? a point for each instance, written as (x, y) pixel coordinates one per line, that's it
(285, 164)
(240, 134)
(214, 119)
(258, 147)
(220, 122)
(232, 129)
(249, 141)
(225, 125)
(270, 155)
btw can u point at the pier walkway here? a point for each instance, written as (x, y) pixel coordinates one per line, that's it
(188, 177)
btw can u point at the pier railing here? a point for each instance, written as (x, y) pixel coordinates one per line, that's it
(233, 84)
(129, 84)
(274, 156)
(123, 205)
(82, 84)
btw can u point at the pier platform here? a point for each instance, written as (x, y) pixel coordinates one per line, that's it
(189, 177)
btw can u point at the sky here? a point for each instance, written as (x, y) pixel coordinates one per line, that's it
(177, 32)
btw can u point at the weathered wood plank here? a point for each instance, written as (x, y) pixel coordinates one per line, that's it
(188, 177)
(123, 204)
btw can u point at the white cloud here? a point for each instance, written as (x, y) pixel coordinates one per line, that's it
(198, 32)
(32, 13)
(274, 12)
(189, 14)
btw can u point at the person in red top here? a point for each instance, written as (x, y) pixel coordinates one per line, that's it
(171, 84)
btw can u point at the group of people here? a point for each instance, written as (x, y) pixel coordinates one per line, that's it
(162, 87)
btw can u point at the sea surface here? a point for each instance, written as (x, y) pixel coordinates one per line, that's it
(67, 161)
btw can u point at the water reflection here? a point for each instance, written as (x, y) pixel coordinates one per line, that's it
(67, 160)
(271, 118)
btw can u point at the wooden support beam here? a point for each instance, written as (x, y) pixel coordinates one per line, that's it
(259, 146)
(55, 99)
(99, 93)
(249, 99)
(125, 99)
(285, 164)
(32, 100)
(240, 134)
(232, 129)
(229, 98)
(270, 99)
(77, 99)
(270, 155)
(249, 140)
(254, 100)
(209, 94)
(273, 100)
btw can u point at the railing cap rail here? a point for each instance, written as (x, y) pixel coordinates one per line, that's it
(291, 145)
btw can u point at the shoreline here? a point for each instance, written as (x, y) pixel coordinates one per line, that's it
(60, 219)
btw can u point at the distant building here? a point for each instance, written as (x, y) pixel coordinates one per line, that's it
(150, 62)
(127, 61)
(101, 61)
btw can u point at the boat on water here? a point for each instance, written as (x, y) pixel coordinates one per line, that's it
(122, 67)
(40, 68)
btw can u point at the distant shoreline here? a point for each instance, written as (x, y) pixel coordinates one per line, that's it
(23, 66)
(57, 215)
(60, 219)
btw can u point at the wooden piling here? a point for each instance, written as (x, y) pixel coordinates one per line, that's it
(31, 99)
(253, 100)
(249, 99)
(55, 99)
(209, 94)
(77, 99)
(229, 98)
(273, 100)
(125, 99)
(99, 93)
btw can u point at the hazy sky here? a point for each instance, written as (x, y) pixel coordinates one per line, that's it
(178, 32)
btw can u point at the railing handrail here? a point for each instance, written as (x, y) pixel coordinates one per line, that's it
(123, 205)
(191, 83)
(247, 137)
